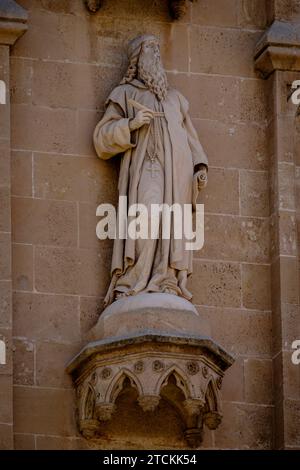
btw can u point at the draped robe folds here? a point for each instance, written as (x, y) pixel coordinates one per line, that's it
(146, 265)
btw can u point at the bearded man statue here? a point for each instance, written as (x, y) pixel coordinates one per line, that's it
(147, 123)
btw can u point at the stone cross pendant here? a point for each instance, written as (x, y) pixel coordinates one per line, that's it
(153, 169)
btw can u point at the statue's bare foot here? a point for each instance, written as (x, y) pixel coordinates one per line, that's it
(182, 281)
(185, 293)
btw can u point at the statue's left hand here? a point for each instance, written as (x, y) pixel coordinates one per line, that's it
(201, 177)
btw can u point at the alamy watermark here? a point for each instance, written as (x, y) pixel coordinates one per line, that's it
(295, 96)
(296, 353)
(2, 352)
(163, 221)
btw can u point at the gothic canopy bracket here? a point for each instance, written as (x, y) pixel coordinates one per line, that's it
(186, 372)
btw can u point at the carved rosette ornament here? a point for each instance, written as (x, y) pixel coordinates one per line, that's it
(154, 366)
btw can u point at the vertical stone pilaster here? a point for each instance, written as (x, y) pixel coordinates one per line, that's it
(277, 57)
(285, 268)
(12, 25)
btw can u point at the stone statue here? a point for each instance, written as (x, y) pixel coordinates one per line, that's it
(147, 122)
(147, 338)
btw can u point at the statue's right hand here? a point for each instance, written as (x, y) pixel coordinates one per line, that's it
(142, 117)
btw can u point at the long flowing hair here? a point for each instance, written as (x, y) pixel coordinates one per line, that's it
(155, 80)
(131, 71)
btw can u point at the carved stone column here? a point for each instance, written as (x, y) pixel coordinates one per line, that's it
(277, 58)
(12, 25)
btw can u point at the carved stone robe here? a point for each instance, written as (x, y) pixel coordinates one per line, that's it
(150, 265)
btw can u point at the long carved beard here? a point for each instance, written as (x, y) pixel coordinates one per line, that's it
(154, 77)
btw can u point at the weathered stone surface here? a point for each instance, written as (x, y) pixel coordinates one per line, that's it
(220, 284)
(258, 381)
(5, 394)
(23, 359)
(44, 222)
(46, 317)
(34, 412)
(24, 441)
(256, 286)
(22, 266)
(71, 270)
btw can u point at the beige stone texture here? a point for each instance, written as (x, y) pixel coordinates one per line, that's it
(5, 304)
(44, 129)
(71, 270)
(90, 309)
(292, 410)
(24, 441)
(256, 294)
(21, 174)
(291, 379)
(258, 381)
(254, 193)
(255, 103)
(5, 222)
(221, 196)
(6, 437)
(224, 52)
(223, 13)
(5, 256)
(241, 332)
(74, 178)
(220, 284)
(235, 145)
(23, 361)
(254, 424)
(22, 266)
(41, 410)
(247, 239)
(288, 233)
(46, 317)
(5, 392)
(44, 222)
(4, 162)
(51, 361)
(218, 90)
(289, 280)
(61, 443)
(233, 382)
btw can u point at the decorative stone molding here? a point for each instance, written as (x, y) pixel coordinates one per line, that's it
(154, 365)
(13, 21)
(278, 49)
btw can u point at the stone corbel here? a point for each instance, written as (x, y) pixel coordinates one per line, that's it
(278, 49)
(177, 8)
(13, 22)
(186, 372)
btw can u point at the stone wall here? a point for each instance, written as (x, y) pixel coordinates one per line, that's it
(61, 72)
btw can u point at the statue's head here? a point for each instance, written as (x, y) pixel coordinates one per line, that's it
(145, 65)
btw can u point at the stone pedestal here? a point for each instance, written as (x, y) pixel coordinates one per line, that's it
(161, 345)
